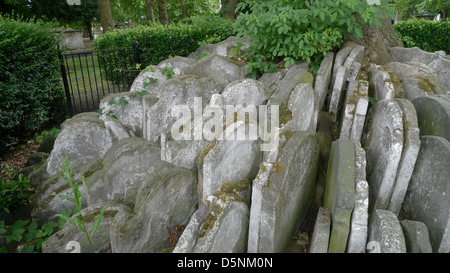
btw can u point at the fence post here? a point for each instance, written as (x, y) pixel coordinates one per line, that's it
(136, 49)
(65, 82)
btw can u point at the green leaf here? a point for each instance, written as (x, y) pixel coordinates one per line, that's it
(98, 219)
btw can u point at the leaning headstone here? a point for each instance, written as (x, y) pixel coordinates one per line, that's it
(414, 54)
(246, 92)
(386, 231)
(382, 82)
(321, 234)
(287, 174)
(359, 222)
(338, 92)
(126, 108)
(301, 105)
(218, 67)
(355, 110)
(123, 168)
(229, 159)
(433, 114)
(426, 199)
(383, 140)
(176, 64)
(225, 227)
(149, 80)
(416, 236)
(178, 92)
(339, 194)
(339, 61)
(322, 80)
(83, 138)
(166, 200)
(411, 146)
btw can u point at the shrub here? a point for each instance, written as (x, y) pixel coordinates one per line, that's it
(428, 35)
(31, 92)
(300, 30)
(158, 42)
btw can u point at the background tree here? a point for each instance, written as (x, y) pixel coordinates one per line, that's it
(228, 8)
(150, 13)
(106, 19)
(162, 10)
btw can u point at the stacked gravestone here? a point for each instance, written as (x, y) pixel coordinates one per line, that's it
(346, 67)
(346, 197)
(391, 143)
(288, 173)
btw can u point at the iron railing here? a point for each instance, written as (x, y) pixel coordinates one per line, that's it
(88, 76)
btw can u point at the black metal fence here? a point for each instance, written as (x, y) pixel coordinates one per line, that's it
(88, 76)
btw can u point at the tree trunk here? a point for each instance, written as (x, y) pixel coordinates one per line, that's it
(88, 26)
(183, 10)
(228, 8)
(377, 41)
(162, 9)
(106, 19)
(149, 7)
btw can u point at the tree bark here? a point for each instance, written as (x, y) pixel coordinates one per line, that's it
(88, 26)
(183, 10)
(162, 10)
(377, 41)
(106, 19)
(149, 7)
(228, 8)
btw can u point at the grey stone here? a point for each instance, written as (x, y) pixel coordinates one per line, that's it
(82, 138)
(128, 109)
(354, 71)
(246, 92)
(382, 82)
(338, 92)
(188, 239)
(360, 215)
(229, 159)
(339, 194)
(420, 87)
(302, 106)
(177, 64)
(225, 227)
(339, 61)
(293, 76)
(426, 199)
(441, 67)
(323, 79)
(411, 146)
(416, 236)
(289, 174)
(124, 166)
(355, 56)
(149, 80)
(165, 200)
(383, 140)
(355, 109)
(220, 68)
(414, 54)
(321, 234)
(182, 91)
(61, 241)
(385, 229)
(433, 114)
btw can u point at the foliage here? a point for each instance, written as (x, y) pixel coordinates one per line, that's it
(30, 82)
(427, 35)
(157, 42)
(410, 8)
(28, 233)
(13, 192)
(54, 132)
(78, 219)
(300, 30)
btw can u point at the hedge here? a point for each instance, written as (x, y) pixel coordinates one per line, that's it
(31, 92)
(158, 42)
(428, 35)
